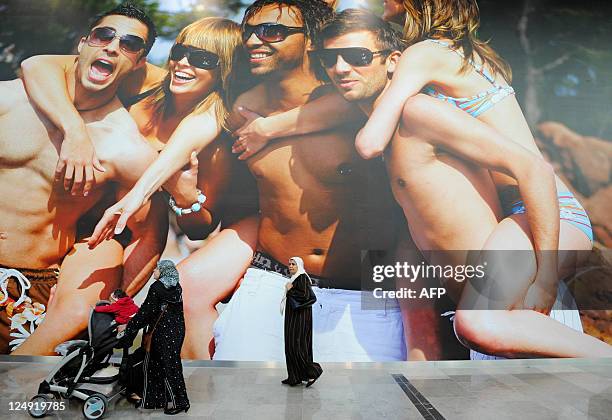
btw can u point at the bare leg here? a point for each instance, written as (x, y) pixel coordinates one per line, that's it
(514, 333)
(525, 333)
(419, 316)
(86, 276)
(210, 274)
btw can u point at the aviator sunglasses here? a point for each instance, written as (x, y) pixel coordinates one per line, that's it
(356, 56)
(270, 32)
(100, 37)
(197, 57)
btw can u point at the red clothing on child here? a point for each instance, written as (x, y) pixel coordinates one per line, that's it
(123, 309)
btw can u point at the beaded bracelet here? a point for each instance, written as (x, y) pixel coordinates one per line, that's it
(194, 208)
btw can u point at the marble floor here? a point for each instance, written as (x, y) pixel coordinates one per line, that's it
(508, 389)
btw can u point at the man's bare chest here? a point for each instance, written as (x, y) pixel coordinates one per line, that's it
(27, 142)
(30, 148)
(328, 158)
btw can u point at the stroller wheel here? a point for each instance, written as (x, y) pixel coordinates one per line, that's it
(40, 405)
(95, 406)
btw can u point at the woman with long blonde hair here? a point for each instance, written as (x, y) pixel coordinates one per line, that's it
(458, 21)
(184, 114)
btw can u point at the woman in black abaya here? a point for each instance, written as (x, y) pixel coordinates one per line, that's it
(162, 312)
(298, 327)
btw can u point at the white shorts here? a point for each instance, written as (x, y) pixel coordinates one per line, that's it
(564, 310)
(251, 327)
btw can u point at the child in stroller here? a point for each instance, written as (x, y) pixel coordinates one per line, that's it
(122, 306)
(74, 375)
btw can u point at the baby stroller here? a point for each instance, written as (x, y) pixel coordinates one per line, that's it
(74, 376)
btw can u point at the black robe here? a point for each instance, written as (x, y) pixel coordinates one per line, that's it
(164, 384)
(298, 334)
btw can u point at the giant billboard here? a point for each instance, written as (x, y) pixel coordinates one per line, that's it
(441, 168)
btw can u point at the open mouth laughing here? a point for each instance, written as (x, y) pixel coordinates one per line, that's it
(100, 70)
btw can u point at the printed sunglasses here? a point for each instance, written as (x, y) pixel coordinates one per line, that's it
(197, 57)
(102, 36)
(270, 32)
(356, 56)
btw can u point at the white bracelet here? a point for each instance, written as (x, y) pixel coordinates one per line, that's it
(194, 208)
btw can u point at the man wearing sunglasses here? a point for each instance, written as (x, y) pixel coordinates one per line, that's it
(78, 159)
(318, 199)
(439, 161)
(42, 226)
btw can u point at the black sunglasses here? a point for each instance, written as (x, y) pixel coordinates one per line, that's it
(270, 32)
(356, 56)
(100, 37)
(197, 57)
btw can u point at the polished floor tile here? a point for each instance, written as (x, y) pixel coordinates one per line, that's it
(512, 389)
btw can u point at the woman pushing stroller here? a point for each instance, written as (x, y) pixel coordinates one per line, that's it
(162, 314)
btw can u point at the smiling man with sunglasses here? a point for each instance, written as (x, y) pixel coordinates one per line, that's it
(78, 159)
(43, 245)
(276, 38)
(318, 199)
(439, 161)
(114, 47)
(363, 76)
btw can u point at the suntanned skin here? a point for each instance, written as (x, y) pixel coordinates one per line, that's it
(203, 275)
(44, 235)
(77, 156)
(316, 194)
(437, 164)
(210, 167)
(428, 64)
(40, 71)
(317, 197)
(141, 80)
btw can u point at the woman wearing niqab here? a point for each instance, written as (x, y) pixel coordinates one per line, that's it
(162, 312)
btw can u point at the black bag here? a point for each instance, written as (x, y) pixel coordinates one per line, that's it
(131, 371)
(312, 298)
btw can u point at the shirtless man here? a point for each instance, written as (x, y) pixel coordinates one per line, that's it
(318, 199)
(38, 218)
(438, 163)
